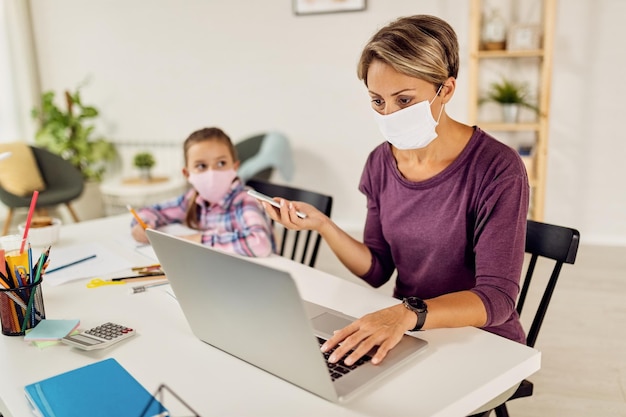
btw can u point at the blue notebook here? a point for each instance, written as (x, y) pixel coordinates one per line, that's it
(102, 389)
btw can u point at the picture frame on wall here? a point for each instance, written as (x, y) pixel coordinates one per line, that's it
(522, 37)
(305, 7)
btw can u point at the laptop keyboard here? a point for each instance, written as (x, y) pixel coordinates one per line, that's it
(339, 369)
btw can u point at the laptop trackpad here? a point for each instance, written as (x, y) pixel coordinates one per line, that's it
(327, 323)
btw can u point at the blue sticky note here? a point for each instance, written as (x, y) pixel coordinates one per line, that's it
(48, 329)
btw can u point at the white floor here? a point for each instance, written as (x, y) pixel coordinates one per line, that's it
(583, 338)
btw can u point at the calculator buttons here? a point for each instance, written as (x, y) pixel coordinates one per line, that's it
(99, 337)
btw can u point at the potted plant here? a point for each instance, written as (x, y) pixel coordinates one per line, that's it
(68, 133)
(144, 161)
(511, 95)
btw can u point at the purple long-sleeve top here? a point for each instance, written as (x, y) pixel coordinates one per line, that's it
(463, 229)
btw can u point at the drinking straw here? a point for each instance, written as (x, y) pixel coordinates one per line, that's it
(33, 202)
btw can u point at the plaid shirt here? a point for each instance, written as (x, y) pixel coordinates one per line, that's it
(236, 224)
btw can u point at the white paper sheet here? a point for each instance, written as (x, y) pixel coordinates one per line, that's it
(105, 262)
(175, 229)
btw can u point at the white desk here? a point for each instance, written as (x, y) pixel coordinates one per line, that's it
(461, 370)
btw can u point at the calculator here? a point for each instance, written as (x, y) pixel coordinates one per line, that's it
(99, 337)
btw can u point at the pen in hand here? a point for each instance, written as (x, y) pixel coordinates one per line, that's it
(136, 216)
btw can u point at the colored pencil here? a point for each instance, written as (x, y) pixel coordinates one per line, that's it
(31, 277)
(148, 276)
(136, 216)
(71, 264)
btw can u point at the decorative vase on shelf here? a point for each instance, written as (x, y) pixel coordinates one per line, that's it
(494, 31)
(145, 174)
(510, 112)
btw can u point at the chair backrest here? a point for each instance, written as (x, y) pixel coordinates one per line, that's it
(249, 147)
(557, 243)
(64, 182)
(57, 172)
(301, 250)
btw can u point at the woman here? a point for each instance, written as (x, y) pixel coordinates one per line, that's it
(447, 203)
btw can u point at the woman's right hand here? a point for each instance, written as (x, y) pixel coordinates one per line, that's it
(286, 215)
(352, 253)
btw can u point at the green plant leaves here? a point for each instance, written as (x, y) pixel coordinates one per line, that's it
(144, 160)
(66, 133)
(509, 92)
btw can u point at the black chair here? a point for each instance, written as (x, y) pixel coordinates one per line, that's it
(302, 251)
(64, 183)
(556, 243)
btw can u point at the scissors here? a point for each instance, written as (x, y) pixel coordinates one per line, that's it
(21, 273)
(99, 282)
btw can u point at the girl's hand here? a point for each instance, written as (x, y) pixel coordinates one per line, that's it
(196, 237)
(139, 234)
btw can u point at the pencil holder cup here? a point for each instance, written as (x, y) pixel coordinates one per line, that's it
(21, 308)
(16, 262)
(21, 299)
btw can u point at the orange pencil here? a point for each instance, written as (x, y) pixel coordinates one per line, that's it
(136, 216)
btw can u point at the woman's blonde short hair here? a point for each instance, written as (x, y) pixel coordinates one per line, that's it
(420, 46)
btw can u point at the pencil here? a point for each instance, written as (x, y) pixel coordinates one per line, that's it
(145, 277)
(146, 268)
(31, 274)
(70, 264)
(142, 288)
(136, 216)
(4, 281)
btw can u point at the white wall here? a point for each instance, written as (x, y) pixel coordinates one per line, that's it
(159, 69)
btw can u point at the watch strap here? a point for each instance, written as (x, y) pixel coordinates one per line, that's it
(418, 306)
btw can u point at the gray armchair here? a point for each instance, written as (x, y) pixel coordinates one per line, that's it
(64, 184)
(261, 154)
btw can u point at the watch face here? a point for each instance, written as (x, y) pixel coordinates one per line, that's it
(416, 303)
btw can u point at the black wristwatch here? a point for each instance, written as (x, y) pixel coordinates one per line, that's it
(419, 307)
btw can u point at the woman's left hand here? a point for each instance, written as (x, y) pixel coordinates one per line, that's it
(383, 328)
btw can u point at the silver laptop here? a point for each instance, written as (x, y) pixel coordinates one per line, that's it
(252, 311)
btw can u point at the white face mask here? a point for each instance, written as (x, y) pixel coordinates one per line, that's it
(212, 185)
(410, 128)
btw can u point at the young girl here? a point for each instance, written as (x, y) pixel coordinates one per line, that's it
(217, 205)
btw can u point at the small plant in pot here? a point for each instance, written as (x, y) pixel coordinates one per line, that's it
(511, 95)
(144, 161)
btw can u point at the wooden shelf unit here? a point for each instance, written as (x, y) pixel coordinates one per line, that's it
(540, 128)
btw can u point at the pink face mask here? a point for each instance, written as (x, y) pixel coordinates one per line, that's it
(212, 185)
